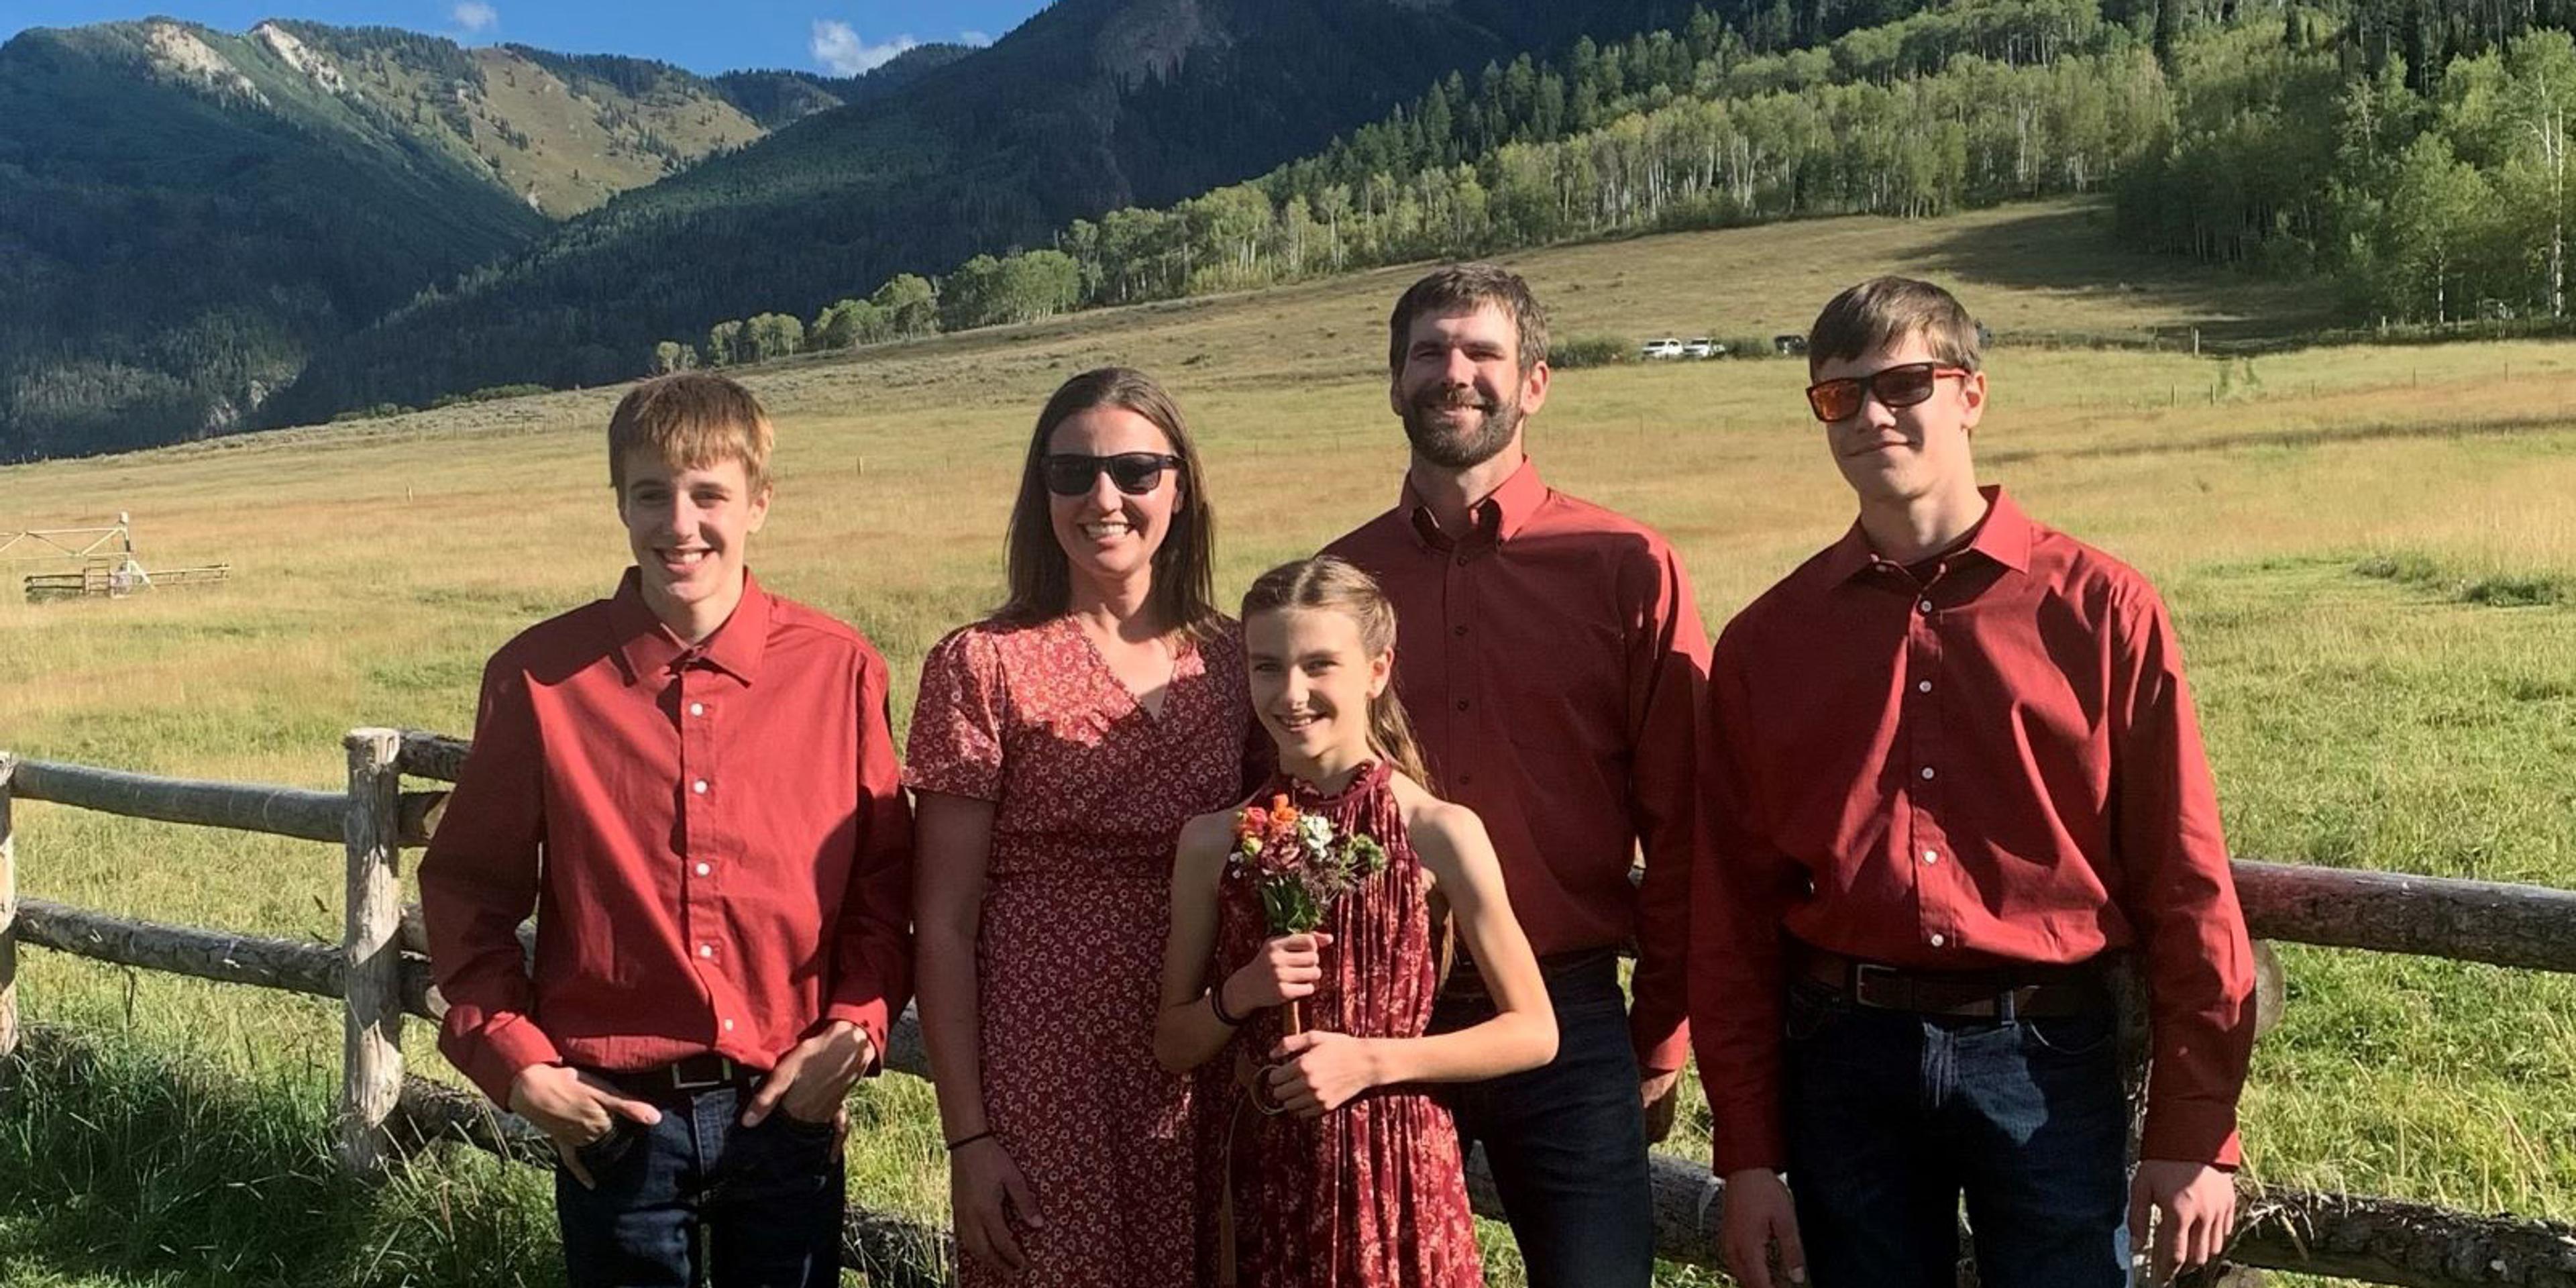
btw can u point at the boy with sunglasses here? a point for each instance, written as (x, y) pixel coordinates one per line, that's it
(693, 784)
(1956, 779)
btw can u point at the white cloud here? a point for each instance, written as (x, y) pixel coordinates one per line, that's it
(976, 38)
(838, 48)
(474, 15)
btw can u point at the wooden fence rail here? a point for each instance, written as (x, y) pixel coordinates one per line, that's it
(380, 977)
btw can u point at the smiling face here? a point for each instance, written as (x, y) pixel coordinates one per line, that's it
(1313, 679)
(1109, 536)
(688, 528)
(1461, 391)
(1896, 455)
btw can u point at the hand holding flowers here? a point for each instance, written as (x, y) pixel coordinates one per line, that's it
(1287, 968)
(1301, 864)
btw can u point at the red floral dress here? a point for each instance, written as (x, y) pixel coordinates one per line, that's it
(1090, 791)
(1371, 1195)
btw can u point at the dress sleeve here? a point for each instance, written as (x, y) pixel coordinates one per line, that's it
(955, 746)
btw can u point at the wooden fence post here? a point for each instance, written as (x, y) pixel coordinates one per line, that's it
(371, 1071)
(8, 916)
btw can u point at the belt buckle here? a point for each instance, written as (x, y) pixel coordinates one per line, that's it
(1861, 973)
(724, 1076)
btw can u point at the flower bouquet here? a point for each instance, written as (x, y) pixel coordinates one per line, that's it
(1300, 863)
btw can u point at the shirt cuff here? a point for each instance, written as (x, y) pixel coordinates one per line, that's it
(1659, 1053)
(1734, 1151)
(870, 1016)
(2192, 1133)
(497, 1054)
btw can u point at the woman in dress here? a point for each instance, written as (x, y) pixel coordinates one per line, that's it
(1338, 1168)
(1056, 749)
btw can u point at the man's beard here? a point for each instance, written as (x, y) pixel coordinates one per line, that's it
(1465, 448)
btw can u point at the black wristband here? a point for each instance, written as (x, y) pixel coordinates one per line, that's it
(1216, 1004)
(964, 1141)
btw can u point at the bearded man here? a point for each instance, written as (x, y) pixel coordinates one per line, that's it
(1554, 666)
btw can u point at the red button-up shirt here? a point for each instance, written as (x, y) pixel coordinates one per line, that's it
(1553, 665)
(1994, 763)
(714, 840)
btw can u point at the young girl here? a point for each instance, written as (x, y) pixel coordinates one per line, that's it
(1338, 1168)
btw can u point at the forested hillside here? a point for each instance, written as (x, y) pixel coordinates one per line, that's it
(185, 213)
(1088, 106)
(2287, 138)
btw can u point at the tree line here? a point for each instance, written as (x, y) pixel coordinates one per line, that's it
(2290, 139)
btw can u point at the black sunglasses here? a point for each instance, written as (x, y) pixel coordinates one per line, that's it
(1135, 473)
(1904, 386)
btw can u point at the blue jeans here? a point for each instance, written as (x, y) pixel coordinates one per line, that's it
(1567, 1140)
(769, 1199)
(1893, 1117)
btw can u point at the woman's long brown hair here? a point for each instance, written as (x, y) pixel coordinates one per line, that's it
(1041, 577)
(1334, 585)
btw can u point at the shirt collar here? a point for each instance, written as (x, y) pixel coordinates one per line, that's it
(1500, 516)
(2004, 536)
(649, 648)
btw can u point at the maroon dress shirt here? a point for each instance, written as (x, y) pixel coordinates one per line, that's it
(1553, 665)
(1992, 762)
(714, 839)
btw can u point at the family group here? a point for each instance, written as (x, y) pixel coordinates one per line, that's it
(1232, 932)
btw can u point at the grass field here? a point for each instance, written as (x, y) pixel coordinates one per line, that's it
(2371, 554)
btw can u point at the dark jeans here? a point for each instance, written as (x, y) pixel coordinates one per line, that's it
(1567, 1140)
(1892, 1117)
(768, 1198)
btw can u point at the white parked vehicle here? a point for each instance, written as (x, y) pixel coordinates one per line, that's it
(1668, 347)
(1703, 347)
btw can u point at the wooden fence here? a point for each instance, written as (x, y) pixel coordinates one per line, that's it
(380, 975)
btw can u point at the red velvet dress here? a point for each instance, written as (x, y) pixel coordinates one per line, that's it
(1371, 1195)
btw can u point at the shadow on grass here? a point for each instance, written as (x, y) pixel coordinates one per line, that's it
(125, 1165)
(2076, 248)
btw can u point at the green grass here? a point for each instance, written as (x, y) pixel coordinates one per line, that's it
(2368, 553)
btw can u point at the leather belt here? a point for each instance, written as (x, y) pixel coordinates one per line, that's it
(2039, 992)
(702, 1072)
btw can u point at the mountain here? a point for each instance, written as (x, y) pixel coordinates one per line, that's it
(185, 213)
(1088, 106)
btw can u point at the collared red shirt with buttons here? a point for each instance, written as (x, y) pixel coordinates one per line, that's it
(714, 839)
(1987, 759)
(1553, 665)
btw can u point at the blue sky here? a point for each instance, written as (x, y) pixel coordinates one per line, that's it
(837, 37)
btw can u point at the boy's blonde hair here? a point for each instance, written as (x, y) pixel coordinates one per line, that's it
(691, 419)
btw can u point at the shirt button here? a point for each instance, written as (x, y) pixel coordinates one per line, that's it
(728, 1026)
(1927, 771)
(706, 950)
(705, 868)
(700, 786)
(1937, 940)
(1931, 856)
(697, 708)
(1457, 630)
(1462, 561)
(1922, 686)
(1464, 779)
(1462, 704)
(1926, 605)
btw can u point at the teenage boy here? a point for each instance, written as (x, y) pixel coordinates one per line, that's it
(693, 783)
(1554, 667)
(1956, 779)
